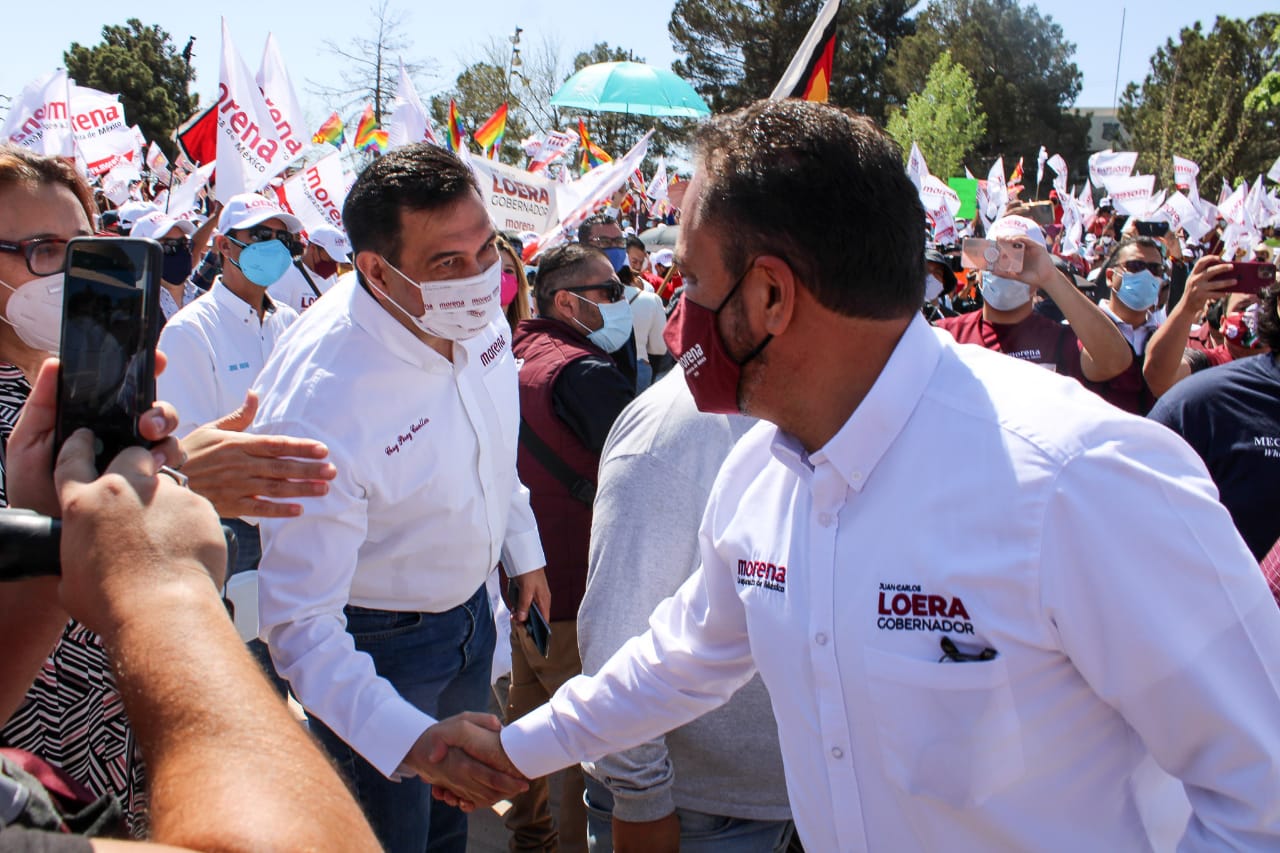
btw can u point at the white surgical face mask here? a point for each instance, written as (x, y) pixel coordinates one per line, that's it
(1004, 294)
(35, 312)
(932, 288)
(457, 308)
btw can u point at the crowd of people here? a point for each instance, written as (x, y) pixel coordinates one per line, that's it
(750, 538)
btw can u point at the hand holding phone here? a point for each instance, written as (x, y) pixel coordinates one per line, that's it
(1002, 258)
(1145, 228)
(536, 625)
(110, 323)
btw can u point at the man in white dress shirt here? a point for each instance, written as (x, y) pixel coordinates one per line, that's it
(1084, 660)
(373, 601)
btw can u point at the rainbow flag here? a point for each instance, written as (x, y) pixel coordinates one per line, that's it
(489, 135)
(457, 136)
(332, 132)
(369, 135)
(592, 155)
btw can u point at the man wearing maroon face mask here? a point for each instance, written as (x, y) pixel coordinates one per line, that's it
(1022, 676)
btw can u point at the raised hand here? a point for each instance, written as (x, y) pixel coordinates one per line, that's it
(245, 475)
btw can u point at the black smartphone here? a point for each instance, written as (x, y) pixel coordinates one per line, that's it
(110, 323)
(1151, 229)
(536, 625)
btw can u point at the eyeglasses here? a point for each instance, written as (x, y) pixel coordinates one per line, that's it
(608, 242)
(612, 288)
(44, 255)
(1135, 266)
(175, 245)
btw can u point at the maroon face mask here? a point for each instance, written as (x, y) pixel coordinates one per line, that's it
(693, 336)
(326, 269)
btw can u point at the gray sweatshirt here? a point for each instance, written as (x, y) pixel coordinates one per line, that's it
(657, 469)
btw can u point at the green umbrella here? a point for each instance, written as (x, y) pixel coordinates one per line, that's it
(630, 87)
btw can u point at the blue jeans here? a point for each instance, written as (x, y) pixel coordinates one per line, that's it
(440, 663)
(644, 375)
(699, 832)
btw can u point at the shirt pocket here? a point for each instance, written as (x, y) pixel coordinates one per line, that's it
(948, 731)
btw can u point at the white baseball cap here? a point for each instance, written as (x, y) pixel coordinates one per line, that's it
(131, 212)
(249, 209)
(663, 257)
(156, 224)
(333, 240)
(1017, 226)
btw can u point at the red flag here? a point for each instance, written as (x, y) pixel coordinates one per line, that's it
(198, 138)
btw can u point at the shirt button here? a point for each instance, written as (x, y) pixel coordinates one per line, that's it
(856, 475)
(837, 752)
(820, 639)
(825, 519)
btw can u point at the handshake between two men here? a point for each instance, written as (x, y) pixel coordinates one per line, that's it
(463, 760)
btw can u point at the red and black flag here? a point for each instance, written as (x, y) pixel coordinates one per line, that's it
(198, 137)
(809, 75)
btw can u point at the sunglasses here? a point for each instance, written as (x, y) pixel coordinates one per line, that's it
(261, 234)
(175, 246)
(1136, 266)
(612, 288)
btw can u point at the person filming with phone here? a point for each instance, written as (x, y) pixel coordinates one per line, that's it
(1088, 346)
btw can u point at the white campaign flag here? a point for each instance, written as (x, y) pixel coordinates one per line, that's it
(157, 162)
(1232, 208)
(916, 167)
(316, 194)
(103, 138)
(551, 149)
(250, 150)
(115, 184)
(1131, 195)
(1041, 158)
(182, 197)
(516, 200)
(581, 197)
(657, 189)
(1185, 171)
(282, 101)
(936, 194)
(997, 193)
(39, 119)
(409, 122)
(1182, 214)
(1111, 164)
(1274, 172)
(1058, 165)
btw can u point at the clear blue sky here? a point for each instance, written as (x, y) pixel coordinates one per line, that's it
(451, 33)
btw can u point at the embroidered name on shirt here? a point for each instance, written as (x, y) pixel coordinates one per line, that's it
(402, 440)
(903, 607)
(1268, 444)
(495, 349)
(767, 575)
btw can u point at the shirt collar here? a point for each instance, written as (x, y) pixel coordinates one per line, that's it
(229, 301)
(1150, 322)
(369, 314)
(873, 427)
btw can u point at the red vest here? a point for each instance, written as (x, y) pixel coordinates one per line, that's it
(564, 522)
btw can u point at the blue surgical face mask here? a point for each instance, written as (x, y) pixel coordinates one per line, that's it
(617, 324)
(263, 263)
(1004, 294)
(1139, 290)
(617, 257)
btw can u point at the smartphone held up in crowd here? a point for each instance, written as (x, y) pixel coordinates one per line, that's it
(110, 323)
(1000, 257)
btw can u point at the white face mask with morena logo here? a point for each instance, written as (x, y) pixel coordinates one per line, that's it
(457, 308)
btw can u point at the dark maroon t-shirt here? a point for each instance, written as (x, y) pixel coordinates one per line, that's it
(1036, 339)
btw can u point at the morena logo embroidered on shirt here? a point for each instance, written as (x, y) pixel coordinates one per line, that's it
(759, 573)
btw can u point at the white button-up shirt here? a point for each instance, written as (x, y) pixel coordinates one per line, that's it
(216, 346)
(292, 288)
(1137, 336)
(1117, 622)
(425, 504)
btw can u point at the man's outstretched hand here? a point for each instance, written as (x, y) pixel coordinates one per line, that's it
(463, 760)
